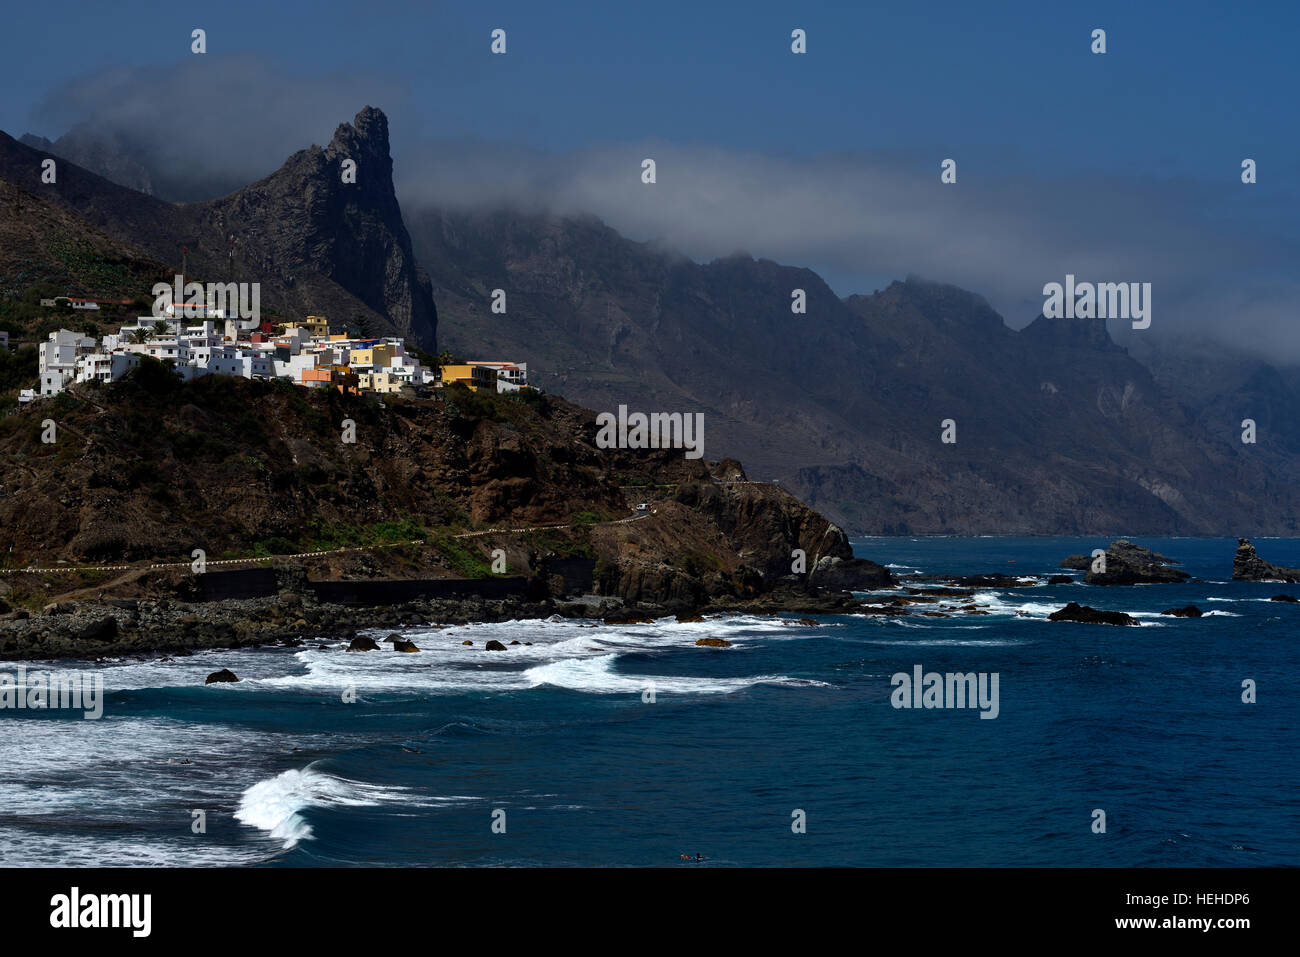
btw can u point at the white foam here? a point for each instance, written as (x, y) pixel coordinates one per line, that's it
(276, 804)
(597, 676)
(445, 665)
(951, 642)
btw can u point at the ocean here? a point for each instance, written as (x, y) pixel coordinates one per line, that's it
(629, 745)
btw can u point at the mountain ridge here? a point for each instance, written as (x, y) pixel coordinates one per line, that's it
(316, 244)
(1059, 429)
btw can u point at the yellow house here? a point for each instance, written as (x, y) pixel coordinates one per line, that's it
(315, 326)
(382, 382)
(380, 355)
(476, 377)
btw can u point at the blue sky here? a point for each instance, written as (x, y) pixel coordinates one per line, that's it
(1183, 89)
(1052, 141)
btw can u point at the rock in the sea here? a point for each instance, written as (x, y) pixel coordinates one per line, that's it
(223, 676)
(495, 645)
(849, 574)
(1247, 566)
(402, 644)
(1191, 611)
(1129, 564)
(467, 642)
(1290, 598)
(1076, 612)
(363, 643)
(713, 643)
(1060, 580)
(689, 619)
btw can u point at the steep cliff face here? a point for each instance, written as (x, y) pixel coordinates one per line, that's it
(152, 469)
(303, 224)
(1058, 429)
(317, 244)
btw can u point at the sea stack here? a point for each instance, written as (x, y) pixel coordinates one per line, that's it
(1248, 566)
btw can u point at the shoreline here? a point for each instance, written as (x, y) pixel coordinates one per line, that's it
(114, 628)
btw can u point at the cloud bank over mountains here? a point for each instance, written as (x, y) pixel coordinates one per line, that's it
(1220, 257)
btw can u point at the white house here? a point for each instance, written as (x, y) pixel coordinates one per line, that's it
(511, 376)
(105, 367)
(57, 362)
(53, 381)
(152, 325)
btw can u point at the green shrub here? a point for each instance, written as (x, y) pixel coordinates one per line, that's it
(464, 559)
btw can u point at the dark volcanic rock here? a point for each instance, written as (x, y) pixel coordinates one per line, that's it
(96, 629)
(1076, 612)
(1129, 564)
(363, 643)
(1060, 580)
(1248, 566)
(1191, 611)
(631, 616)
(1290, 598)
(850, 574)
(401, 644)
(495, 645)
(713, 643)
(224, 676)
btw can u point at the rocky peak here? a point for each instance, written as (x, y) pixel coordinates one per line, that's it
(365, 140)
(1248, 566)
(1062, 333)
(304, 219)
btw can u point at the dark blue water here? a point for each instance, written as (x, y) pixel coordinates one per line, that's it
(1147, 724)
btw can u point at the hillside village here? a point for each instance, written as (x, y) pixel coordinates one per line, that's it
(195, 340)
